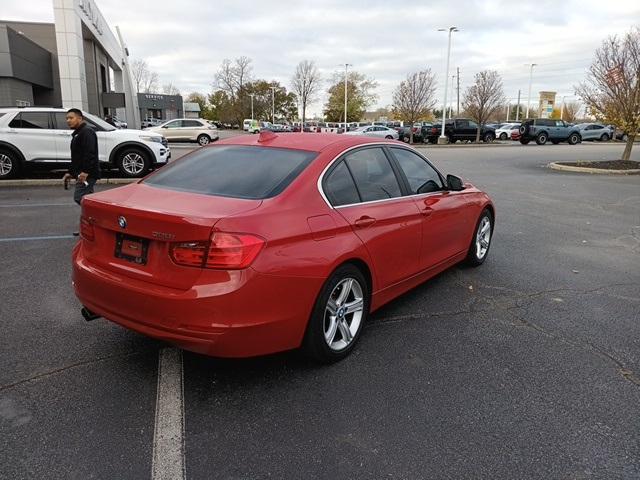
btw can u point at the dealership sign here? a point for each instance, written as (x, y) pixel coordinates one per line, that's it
(92, 13)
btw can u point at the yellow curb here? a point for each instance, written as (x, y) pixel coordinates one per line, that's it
(570, 168)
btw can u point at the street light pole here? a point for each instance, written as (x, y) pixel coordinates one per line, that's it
(252, 95)
(273, 104)
(346, 68)
(442, 138)
(530, 80)
(562, 108)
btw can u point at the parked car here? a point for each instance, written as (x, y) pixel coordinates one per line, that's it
(595, 131)
(151, 122)
(187, 129)
(504, 132)
(461, 129)
(546, 129)
(40, 136)
(246, 123)
(342, 224)
(375, 131)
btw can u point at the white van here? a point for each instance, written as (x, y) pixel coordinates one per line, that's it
(246, 124)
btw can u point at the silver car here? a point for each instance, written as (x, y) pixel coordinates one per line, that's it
(595, 131)
(375, 131)
(187, 129)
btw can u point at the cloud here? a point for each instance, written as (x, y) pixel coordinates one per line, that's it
(186, 41)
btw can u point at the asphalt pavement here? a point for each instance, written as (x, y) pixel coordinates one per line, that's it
(527, 367)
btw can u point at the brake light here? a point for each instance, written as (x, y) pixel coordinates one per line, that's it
(227, 251)
(86, 229)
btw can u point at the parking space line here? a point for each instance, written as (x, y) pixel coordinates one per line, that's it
(23, 205)
(168, 436)
(29, 239)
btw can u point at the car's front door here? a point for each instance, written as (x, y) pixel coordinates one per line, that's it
(63, 138)
(446, 223)
(171, 130)
(388, 223)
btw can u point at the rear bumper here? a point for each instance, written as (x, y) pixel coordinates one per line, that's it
(245, 315)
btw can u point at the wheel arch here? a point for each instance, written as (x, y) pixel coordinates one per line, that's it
(140, 146)
(13, 148)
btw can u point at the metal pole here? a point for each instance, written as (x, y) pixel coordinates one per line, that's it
(508, 105)
(562, 109)
(442, 138)
(346, 69)
(518, 108)
(451, 107)
(530, 81)
(273, 104)
(458, 95)
(252, 95)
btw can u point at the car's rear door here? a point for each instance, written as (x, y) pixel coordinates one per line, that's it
(387, 221)
(32, 133)
(446, 220)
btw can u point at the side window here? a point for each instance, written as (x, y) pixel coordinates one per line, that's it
(16, 122)
(598, 127)
(373, 174)
(462, 124)
(339, 187)
(174, 124)
(422, 177)
(39, 120)
(191, 123)
(472, 125)
(60, 121)
(559, 123)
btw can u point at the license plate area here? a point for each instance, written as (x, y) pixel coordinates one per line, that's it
(132, 249)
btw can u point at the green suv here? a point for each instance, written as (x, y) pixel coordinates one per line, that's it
(546, 129)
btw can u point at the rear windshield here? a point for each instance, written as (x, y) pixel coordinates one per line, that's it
(234, 171)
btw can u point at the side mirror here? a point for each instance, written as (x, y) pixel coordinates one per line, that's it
(454, 183)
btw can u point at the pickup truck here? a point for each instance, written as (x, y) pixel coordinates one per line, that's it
(461, 129)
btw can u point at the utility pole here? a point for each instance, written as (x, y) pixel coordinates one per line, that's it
(458, 78)
(346, 69)
(252, 95)
(273, 104)
(518, 108)
(562, 108)
(530, 80)
(442, 139)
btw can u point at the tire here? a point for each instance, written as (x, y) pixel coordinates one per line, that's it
(321, 340)
(542, 138)
(524, 141)
(488, 138)
(503, 136)
(389, 137)
(133, 163)
(573, 139)
(405, 139)
(204, 139)
(481, 240)
(10, 164)
(604, 137)
(625, 137)
(451, 140)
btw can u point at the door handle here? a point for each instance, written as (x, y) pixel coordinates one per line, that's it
(426, 211)
(365, 221)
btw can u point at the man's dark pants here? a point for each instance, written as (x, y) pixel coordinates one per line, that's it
(82, 190)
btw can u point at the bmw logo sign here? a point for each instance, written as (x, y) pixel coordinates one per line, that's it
(122, 222)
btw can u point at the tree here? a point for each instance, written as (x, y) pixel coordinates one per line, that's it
(611, 90)
(414, 97)
(284, 102)
(359, 97)
(144, 79)
(484, 98)
(570, 111)
(306, 83)
(201, 100)
(232, 78)
(170, 89)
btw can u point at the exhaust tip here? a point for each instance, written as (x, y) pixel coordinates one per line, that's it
(88, 315)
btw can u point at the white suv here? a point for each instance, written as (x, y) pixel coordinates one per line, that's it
(187, 129)
(41, 136)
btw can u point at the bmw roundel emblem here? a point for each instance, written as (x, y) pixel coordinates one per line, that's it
(122, 222)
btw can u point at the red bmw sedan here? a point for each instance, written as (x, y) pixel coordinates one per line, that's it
(260, 244)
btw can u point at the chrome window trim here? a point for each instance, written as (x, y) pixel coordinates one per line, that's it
(373, 144)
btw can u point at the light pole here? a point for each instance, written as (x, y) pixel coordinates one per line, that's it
(452, 88)
(273, 104)
(442, 138)
(562, 108)
(252, 95)
(530, 80)
(346, 69)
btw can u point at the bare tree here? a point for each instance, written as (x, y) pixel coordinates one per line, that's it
(570, 111)
(170, 89)
(232, 78)
(484, 98)
(145, 80)
(306, 84)
(612, 88)
(414, 97)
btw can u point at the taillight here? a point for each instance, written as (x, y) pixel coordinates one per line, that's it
(226, 251)
(86, 229)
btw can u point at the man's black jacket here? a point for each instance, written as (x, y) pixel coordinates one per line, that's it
(84, 152)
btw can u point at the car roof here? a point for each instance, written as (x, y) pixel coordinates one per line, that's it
(314, 142)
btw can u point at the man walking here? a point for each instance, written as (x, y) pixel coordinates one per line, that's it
(85, 167)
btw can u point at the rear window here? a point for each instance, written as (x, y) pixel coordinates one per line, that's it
(234, 171)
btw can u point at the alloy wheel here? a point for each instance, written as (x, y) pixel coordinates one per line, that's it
(6, 165)
(133, 163)
(483, 237)
(343, 314)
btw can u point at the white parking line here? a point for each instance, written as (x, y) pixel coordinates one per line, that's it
(29, 239)
(168, 437)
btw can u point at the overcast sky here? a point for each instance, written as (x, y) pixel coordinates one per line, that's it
(185, 41)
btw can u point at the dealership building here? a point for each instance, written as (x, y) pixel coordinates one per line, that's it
(75, 62)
